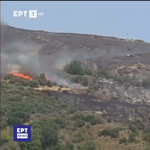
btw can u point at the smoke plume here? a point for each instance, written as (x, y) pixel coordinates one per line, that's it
(19, 56)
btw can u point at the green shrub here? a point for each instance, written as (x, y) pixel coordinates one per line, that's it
(103, 73)
(42, 79)
(24, 82)
(74, 67)
(87, 71)
(91, 145)
(79, 123)
(19, 114)
(4, 136)
(93, 120)
(123, 140)
(147, 137)
(134, 129)
(61, 123)
(132, 138)
(147, 147)
(48, 83)
(113, 133)
(49, 136)
(4, 122)
(147, 129)
(78, 138)
(9, 77)
(33, 83)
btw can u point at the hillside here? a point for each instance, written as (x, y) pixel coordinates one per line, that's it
(109, 51)
(82, 91)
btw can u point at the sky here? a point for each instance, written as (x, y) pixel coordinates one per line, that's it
(124, 19)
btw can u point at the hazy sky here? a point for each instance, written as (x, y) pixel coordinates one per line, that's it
(93, 17)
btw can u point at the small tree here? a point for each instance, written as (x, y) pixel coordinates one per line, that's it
(74, 68)
(42, 79)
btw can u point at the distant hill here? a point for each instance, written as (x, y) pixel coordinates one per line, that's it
(103, 50)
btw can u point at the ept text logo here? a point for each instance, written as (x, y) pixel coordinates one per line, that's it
(30, 14)
(22, 133)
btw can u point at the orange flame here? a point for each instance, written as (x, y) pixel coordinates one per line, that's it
(22, 76)
(47, 77)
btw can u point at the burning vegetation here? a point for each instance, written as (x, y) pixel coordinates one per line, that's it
(22, 76)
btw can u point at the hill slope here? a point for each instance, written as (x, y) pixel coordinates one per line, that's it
(111, 101)
(109, 51)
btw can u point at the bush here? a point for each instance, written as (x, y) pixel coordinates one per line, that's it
(147, 137)
(147, 129)
(88, 146)
(3, 122)
(103, 73)
(123, 140)
(74, 68)
(134, 129)
(79, 123)
(33, 83)
(19, 114)
(69, 146)
(49, 135)
(113, 133)
(42, 79)
(9, 77)
(93, 120)
(24, 82)
(147, 147)
(87, 71)
(61, 123)
(132, 138)
(78, 138)
(48, 83)
(4, 136)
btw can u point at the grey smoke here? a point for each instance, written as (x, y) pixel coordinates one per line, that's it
(24, 57)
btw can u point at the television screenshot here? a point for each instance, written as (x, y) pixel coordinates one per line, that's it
(75, 75)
